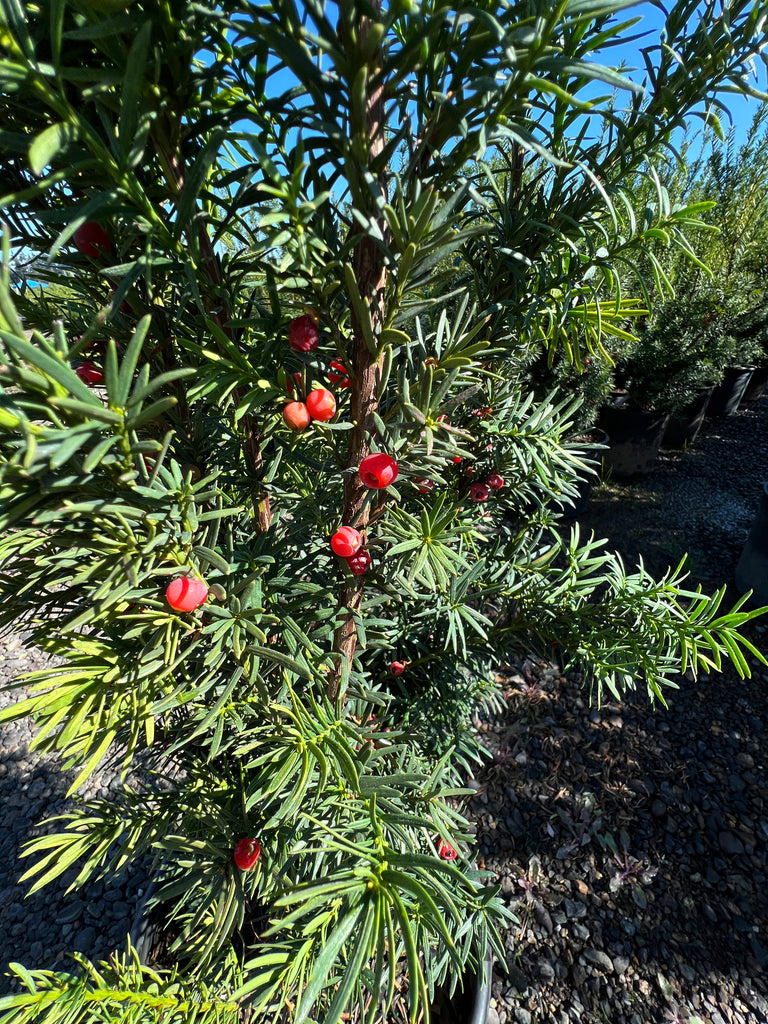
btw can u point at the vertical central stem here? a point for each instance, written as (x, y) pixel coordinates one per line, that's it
(370, 275)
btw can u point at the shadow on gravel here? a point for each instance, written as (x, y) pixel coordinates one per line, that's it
(649, 837)
(39, 930)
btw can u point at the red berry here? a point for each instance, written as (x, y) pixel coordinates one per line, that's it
(296, 415)
(338, 374)
(246, 853)
(346, 541)
(424, 486)
(378, 470)
(495, 481)
(321, 404)
(457, 460)
(446, 851)
(397, 668)
(89, 374)
(293, 382)
(185, 593)
(479, 492)
(303, 334)
(359, 563)
(91, 238)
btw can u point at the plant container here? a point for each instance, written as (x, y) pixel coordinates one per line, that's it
(726, 397)
(752, 567)
(757, 384)
(635, 438)
(594, 441)
(469, 1004)
(683, 428)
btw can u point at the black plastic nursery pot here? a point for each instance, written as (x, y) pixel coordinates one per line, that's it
(727, 396)
(469, 1004)
(635, 438)
(757, 384)
(682, 429)
(594, 441)
(752, 567)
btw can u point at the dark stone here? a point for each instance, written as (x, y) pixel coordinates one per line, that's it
(730, 844)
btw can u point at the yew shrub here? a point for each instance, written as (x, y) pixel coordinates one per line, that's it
(223, 206)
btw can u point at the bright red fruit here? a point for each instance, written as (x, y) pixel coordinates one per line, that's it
(495, 481)
(378, 470)
(346, 541)
(359, 562)
(479, 492)
(338, 374)
(446, 851)
(397, 668)
(185, 593)
(89, 374)
(91, 239)
(246, 853)
(424, 486)
(292, 382)
(321, 404)
(303, 335)
(296, 415)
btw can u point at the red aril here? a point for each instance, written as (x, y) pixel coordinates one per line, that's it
(321, 404)
(303, 335)
(397, 668)
(479, 492)
(359, 563)
(495, 481)
(185, 593)
(378, 470)
(296, 415)
(91, 239)
(89, 374)
(346, 542)
(338, 374)
(446, 851)
(246, 853)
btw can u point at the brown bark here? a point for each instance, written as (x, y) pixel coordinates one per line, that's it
(370, 274)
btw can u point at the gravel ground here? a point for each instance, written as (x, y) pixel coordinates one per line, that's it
(632, 843)
(39, 930)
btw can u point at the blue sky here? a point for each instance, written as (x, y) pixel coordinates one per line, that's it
(741, 108)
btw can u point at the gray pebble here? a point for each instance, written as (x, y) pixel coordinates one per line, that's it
(599, 959)
(70, 913)
(620, 964)
(574, 909)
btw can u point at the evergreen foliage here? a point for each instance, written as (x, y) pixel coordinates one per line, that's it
(251, 164)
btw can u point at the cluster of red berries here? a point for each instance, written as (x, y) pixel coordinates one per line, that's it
(348, 544)
(320, 405)
(481, 492)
